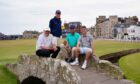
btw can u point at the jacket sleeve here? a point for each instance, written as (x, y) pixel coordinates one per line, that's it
(51, 24)
(39, 42)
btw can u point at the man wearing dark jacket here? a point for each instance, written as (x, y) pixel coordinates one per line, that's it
(55, 24)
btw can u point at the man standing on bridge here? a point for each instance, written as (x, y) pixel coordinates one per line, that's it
(55, 24)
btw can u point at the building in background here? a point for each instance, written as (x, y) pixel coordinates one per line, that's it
(30, 34)
(65, 28)
(104, 26)
(120, 30)
(114, 26)
(92, 31)
(77, 25)
(133, 32)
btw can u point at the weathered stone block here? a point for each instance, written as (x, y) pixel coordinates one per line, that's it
(51, 71)
(111, 69)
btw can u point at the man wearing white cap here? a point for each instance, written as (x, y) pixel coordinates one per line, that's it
(47, 45)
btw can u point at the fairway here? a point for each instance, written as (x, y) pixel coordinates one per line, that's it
(130, 65)
(11, 49)
(103, 47)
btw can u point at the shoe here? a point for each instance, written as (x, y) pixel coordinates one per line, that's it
(84, 66)
(71, 60)
(74, 63)
(66, 59)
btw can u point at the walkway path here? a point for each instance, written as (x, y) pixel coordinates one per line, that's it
(91, 76)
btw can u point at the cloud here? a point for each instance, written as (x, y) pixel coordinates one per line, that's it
(20, 15)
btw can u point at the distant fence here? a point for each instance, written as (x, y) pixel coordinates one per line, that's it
(122, 40)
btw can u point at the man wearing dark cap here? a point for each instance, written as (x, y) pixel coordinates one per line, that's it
(72, 40)
(55, 24)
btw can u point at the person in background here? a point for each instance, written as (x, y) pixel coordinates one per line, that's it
(55, 25)
(84, 46)
(71, 42)
(47, 45)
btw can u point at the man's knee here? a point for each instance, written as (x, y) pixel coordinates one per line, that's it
(89, 51)
(42, 53)
(74, 49)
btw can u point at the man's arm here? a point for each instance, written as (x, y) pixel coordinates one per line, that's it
(92, 45)
(44, 48)
(78, 43)
(51, 24)
(67, 44)
(41, 45)
(66, 41)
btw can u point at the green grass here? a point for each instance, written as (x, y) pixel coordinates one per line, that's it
(103, 47)
(9, 52)
(130, 65)
(6, 77)
(11, 49)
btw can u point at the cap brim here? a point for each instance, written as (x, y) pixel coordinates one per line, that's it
(72, 28)
(46, 30)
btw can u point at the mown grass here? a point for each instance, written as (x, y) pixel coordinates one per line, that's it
(10, 50)
(130, 65)
(103, 47)
(6, 77)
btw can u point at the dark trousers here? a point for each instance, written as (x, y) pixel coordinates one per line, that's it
(47, 53)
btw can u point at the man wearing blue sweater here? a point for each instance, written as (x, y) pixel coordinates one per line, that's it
(55, 24)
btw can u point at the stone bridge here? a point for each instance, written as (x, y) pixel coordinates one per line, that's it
(35, 70)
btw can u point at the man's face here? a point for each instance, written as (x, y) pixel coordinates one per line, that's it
(72, 31)
(46, 33)
(83, 31)
(57, 15)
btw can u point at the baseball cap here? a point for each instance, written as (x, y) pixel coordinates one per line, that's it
(58, 12)
(47, 29)
(72, 26)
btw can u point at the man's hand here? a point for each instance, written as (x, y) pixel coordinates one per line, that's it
(93, 54)
(43, 47)
(54, 47)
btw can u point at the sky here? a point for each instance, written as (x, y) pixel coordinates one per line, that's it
(19, 15)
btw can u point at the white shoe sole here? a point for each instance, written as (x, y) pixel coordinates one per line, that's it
(74, 64)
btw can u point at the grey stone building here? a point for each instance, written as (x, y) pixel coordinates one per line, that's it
(30, 34)
(106, 27)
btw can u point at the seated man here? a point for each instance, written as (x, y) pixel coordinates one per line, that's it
(46, 45)
(71, 41)
(84, 46)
